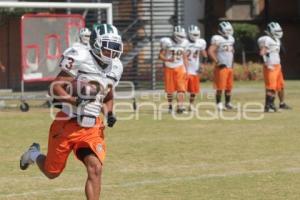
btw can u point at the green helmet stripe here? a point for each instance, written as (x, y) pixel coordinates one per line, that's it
(109, 29)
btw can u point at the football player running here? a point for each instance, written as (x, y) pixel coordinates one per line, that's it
(78, 127)
(194, 50)
(269, 46)
(173, 55)
(221, 51)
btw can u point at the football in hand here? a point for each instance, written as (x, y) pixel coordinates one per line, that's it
(83, 88)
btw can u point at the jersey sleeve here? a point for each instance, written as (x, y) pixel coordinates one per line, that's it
(215, 40)
(202, 45)
(262, 42)
(115, 74)
(70, 62)
(165, 43)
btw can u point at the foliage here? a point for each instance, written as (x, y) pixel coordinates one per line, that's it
(245, 35)
(251, 72)
(15, 12)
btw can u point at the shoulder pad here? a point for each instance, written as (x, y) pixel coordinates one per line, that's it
(201, 43)
(165, 42)
(216, 39)
(73, 57)
(78, 52)
(263, 40)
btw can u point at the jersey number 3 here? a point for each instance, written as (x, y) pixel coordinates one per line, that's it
(66, 63)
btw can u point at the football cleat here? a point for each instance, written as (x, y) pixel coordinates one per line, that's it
(270, 108)
(25, 160)
(220, 107)
(180, 110)
(191, 108)
(284, 106)
(229, 106)
(170, 109)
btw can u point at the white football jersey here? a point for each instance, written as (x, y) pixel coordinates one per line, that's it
(79, 62)
(193, 50)
(174, 51)
(273, 49)
(225, 49)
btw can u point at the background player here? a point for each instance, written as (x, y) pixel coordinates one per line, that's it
(172, 53)
(84, 36)
(270, 45)
(221, 51)
(77, 126)
(195, 48)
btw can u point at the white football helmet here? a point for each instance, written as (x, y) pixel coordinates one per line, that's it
(179, 34)
(84, 36)
(225, 29)
(106, 42)
(274, 30)
(194, 32)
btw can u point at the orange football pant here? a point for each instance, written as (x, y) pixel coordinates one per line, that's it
(175, 79)
(223, 78)
(193, 84)
(66, 135)
(274, 78)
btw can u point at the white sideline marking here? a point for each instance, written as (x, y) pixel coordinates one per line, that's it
(158, 181)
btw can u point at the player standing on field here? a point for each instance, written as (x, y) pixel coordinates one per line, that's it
(221, 51)
(78, 127)
(269, 46)
(84, 36)
(172, 53)
(195, 48)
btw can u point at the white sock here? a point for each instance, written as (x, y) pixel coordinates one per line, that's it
(34, 155)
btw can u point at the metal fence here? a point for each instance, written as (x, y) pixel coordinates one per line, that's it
(142, 23)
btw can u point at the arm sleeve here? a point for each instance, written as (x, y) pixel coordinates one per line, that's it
(215, 40)
(261, 42)
(203, 45)
(165, 43)
(69, 61)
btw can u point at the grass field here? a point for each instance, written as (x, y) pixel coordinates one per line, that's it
(168, 159)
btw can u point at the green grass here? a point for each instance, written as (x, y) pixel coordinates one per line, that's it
(168, 159)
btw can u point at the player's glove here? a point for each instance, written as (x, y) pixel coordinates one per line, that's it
(111, 119)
